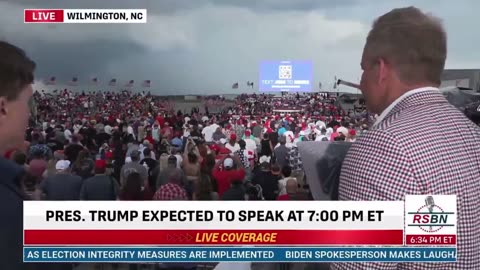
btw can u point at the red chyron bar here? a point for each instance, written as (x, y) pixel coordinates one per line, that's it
(85, 15)
(213, 237)
(43, 15)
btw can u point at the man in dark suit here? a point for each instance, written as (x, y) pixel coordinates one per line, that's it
(16, 77)
(402, 63)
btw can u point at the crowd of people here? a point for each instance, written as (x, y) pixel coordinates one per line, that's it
(125, 146)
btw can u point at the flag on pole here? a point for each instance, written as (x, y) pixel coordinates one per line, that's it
(94, 80)
(73, 82)
(235, 85)
(51, 81)
(112, 82)
(146, 83)
(335, 83)
(130, 83)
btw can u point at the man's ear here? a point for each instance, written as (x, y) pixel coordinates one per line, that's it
(383, 71)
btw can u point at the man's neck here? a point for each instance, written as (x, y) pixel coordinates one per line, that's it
(394, 95)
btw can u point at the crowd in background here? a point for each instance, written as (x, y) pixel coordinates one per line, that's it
(125, 146)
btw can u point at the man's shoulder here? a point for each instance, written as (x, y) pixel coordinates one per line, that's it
(428, 122)
(8, 196)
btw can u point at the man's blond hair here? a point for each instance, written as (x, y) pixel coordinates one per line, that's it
(413, 42)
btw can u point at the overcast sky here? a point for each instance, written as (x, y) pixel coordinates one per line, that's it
(204, 46)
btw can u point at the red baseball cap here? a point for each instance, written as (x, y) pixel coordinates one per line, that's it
(100, 164)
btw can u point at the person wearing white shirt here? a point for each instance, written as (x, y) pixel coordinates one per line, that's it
(322, 136)
(320, 124)
(68, 135)
(77, 128)
(208, 131)
(289, 135)
(130, 131)
(156, 132)
(108, 129)
(179, 160)
(186, 131)
(232, 145)
(251, 145)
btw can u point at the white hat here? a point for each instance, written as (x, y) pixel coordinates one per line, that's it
(264, 159)
(223, 141)
(62, 165)
(343, 130)
(228, 163)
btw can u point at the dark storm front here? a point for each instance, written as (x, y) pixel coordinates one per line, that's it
(221, 215)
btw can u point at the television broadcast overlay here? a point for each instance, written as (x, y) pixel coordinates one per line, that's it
(431, 220)
(234, 231)
(286, 76)
(85, 16)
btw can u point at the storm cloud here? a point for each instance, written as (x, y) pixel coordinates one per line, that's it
(203, 46)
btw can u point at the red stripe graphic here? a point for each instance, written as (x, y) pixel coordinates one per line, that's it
(213, 237)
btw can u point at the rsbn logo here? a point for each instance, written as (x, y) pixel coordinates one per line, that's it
(430, 217)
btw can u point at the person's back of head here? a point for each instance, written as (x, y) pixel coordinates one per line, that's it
(62, 166)
(20, 158)
(16, 77)
(242, 144)
(204, 188)
(100, 166)
(36, 138)
(405, 49)
(253, 192)
(228, 164)
(176, 177)
(192, 158)
(135, 156)
(147, 153)
(291, 186)
(236, 182)
(340, 138)
(275, 169)
(286, 171)
(172, 161)
(282, 140)
(133, 187)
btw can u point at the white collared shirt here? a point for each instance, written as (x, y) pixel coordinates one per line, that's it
(402, 97)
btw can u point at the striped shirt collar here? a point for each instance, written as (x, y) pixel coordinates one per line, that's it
(398, 100)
